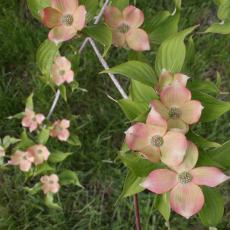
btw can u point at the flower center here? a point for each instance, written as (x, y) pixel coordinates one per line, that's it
(175, 113)
(157, 141)
(184, 177)
(34, 119)
(62, 72)
(39, 151)
(59, 129)
(67, 20)
(123, 28)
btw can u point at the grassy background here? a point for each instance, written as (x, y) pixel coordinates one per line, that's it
(98, 121)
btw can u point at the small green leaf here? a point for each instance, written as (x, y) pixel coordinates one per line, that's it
(62, 89)
(29, 102)
(213, 108)
(49, 201)
(35, 6)
(201, 142)
(8, 140)
(163, 206)
(213, 209)
(171, 54)
(58, 156)
(43, 136)
(34, 190)
(91, 8)
(102, 34)
(69, 177)
(45, 56)
(178, 3)
(17, 116)
(25, 141)
(135, 70)
(141, 92)
(121, 4)
(43, 168)
(224, 10)
(132, 109)
(74, 140)
(219, 28)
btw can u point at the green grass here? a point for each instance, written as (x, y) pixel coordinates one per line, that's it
(99, 123)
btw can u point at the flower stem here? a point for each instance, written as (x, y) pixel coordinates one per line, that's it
(137, 212)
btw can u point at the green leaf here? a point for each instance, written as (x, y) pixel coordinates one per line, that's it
(29, 102)
(190, 54)
(74, 140)
(203, 86)
(132, 109)
(8, 140)
(34, 190)
(131, 186)
(121, 4)
(135, 70)
(45, 56)
(163, 206)
(141, 92)
(58, 156)
(224, 10)
(213, 209)
(25, 141)
(43, 136)
(163, 26)
(91, 8)
(35, 6)
(219, 28)
(178, 3)
(213, 108)
(138, 165)
(49, 201)
(62, 89)
(201, 142)
(221, 155)
(102, 34)
(41, 169)
(171, 54)
(17, 116)
(69, 177)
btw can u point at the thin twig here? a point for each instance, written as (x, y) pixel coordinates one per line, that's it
(56, 98)
(137, 212)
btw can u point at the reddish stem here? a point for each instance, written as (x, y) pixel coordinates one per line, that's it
(137, 213)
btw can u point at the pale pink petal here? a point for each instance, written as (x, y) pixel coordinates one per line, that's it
(55, 188)
(177, 125)
(65, 6)
(138, 40)
(80, 18)
(133, 16)
(65, 123)
(25, 165)
(61, 33)
(40, 118)
(113, 16)
(69, 76)
(118, 39)
(165, 79)
(181, 78)
(54, 178)
(33, 126)
(154, 118)
(175, 96)
(160, 181)
(209, 176)
(174, 148)
(190, 159)
(51, 17)
(160, 108)
(62, 63)
(186, 199)
(58, 80)
(191, 112)
(26, 121)
(151, 153)
(63, 135)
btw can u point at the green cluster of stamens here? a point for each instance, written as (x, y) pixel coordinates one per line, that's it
(123, 28)
(67, 20)
(157, 141)
(175, 113)
(184, 177)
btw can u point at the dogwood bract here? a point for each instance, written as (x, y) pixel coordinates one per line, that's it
(50, 183)
(177, 108)
(40, 153)
(61, 71)
(125, 27)
(2, 151)
(186, 197)
(60, 129)
(154, 142)
(65, 17)
(32, 120)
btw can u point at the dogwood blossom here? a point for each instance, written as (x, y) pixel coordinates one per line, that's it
(40, 153)
(50, 183)
(2, 151)
(125, 27)
(65, 17)
(60, 129)
(186, 197)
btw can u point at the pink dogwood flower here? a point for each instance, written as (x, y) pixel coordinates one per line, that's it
(186, 197)
(61, 71)
(50, 183)
(60, 129)
(167, 79)
(40, 153)
(23, 159)
(177, 108)
(125, 27)
(154, 142)
(65, 18)
(2, 152)
(32, 120)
